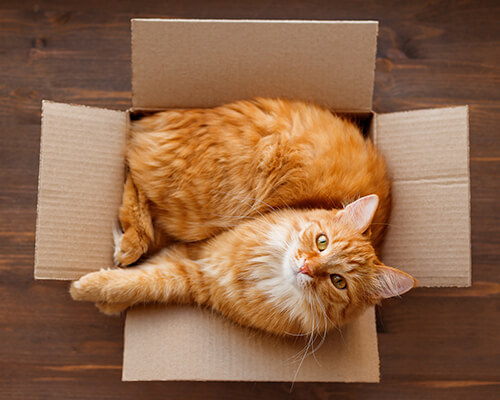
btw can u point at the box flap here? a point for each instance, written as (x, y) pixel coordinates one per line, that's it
(427, 152)
(204, 63)
(79, 189)
(183, 343)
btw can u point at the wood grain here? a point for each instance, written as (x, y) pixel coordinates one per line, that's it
(434, 343)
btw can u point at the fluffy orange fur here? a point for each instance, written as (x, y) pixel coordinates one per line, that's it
(267, 273)
(198, 172)
(240, 186)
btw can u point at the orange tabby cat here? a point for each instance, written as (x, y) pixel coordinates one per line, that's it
(197, 172)
(244, 180)
(285, 272)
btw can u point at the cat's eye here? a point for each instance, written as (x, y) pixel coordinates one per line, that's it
(338, 281)
(321, 242)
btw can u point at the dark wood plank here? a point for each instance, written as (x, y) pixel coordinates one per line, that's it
(434, 343)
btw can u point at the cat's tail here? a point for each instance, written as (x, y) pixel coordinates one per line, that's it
(136, 234)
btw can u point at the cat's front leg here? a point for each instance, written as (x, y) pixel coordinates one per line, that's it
(103, 286)
(113, 291)
(166, 278)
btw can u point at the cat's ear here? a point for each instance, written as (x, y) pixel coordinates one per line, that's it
(361, 212)
(392, 282)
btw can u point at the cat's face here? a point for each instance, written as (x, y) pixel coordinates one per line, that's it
(332, 263)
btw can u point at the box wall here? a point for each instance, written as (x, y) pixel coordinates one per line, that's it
(427, 152)
(79, 189)
(329, 62)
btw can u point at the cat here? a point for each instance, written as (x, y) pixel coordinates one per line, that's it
(194, 173)
(290, 271)
(254, 190)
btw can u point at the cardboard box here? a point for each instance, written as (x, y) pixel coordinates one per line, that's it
(202, 63)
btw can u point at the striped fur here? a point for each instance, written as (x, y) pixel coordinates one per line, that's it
(246, 188)
(195, 173)
(251, 274)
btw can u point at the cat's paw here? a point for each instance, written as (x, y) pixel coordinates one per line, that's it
(90, 287)
(112, 308)
(128, 246)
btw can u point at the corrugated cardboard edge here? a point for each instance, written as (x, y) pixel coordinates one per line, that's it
(450, 281)
(40, 167)
(467, 110)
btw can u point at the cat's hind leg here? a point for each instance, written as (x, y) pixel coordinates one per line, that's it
(137, 225)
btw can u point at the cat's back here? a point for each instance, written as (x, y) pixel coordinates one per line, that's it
(213, 143)
(339, 163)
(208, 167)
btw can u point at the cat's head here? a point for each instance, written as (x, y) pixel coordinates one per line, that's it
(332, 263)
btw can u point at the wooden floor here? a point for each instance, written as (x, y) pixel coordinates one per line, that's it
(434, 343)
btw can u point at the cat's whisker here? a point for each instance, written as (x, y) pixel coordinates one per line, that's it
(339, 329)
(313, 349)
(228, 226)
(262, 215)
(310, 343)
(312, 338)
(326, 314)
(234, 216)
(297, 334)
(303, 351)
(297, 356)
(325, 331)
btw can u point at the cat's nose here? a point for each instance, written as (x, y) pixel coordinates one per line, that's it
(305, 269)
